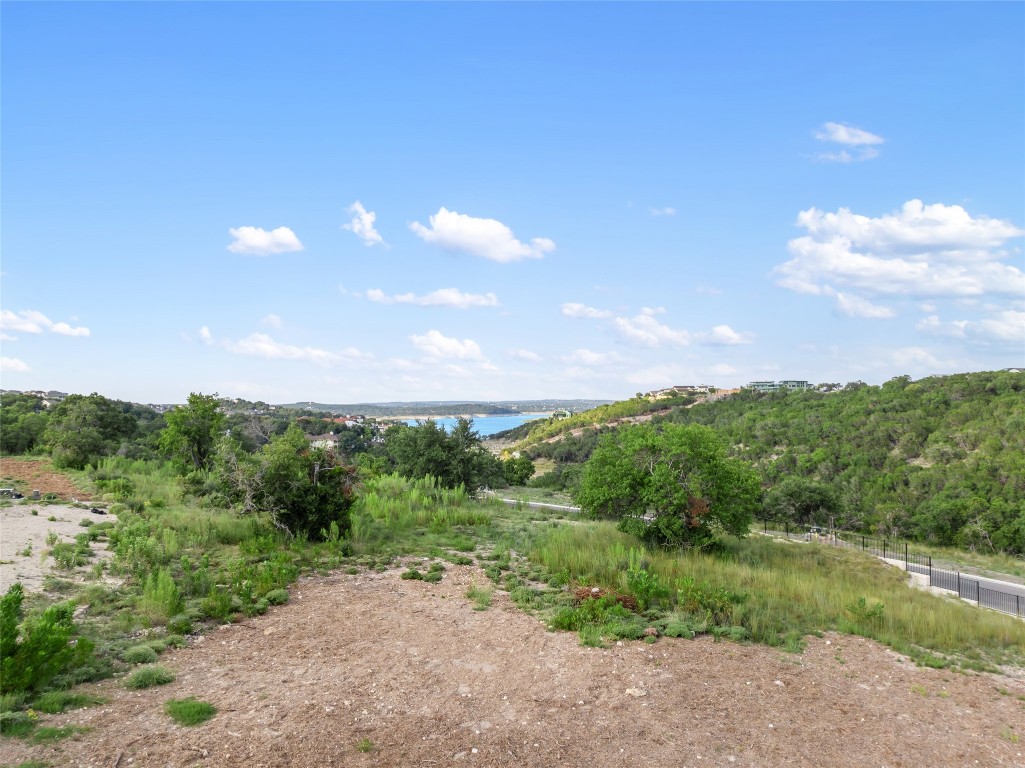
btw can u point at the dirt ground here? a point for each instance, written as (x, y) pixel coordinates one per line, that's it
(23, 541)
(431, 682)
(38, 474)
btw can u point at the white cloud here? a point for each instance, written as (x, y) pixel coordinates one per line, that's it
(443, 297)
(362, 225)
(725, 336)
(840, 133)
(435, 345)
(525, 354)
(205, 335)
(722, 369)
(260, 242)
(921, 251)
(264, 346)
(32, 321)
(573, 309)
(707, 290)
(13, 365)
(645, 329)
(1006, 325)
(856, 306)
(667, 211)
(271, 321)
(7, 337)
(860, 141)
(488, 238)
(587, 357)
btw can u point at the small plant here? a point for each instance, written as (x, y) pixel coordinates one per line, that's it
(411, 575)
(1009, 734)
(161, 598)
(34, 513)
(17, 723)
(190, 711)
(55, 702)
(48, 734)
(644, 584)
(140, 654)
(365, 745)
(863, 612)
(179, 625)
(27, 551)
(147, 677)
(277, 596)
(51, 538)
(481, 596)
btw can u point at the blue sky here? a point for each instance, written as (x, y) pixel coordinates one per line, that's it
(348, 202)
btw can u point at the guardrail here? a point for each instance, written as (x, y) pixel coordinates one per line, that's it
(966, 587)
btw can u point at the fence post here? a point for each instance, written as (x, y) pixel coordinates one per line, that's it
(905, 555)
(1017, 600)
(787, 526)
(862, 543)
(884, 549)
(959, 583)
(930, 570)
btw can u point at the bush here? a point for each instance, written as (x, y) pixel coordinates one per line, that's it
(55, 702)
(161, 598)
(277, 596)
(147, 677)
(189, 711)
(179, 625)
(140, 654)
(16, 723)
(33, 651)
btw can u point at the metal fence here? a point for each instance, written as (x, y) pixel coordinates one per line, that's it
(966, 587)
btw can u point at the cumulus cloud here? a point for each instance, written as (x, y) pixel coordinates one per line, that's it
(443, 297)
(259, 242)
(1001, 326)
(362, 225)
(435, 345)
(723, 335)
(921, 251)
(271, 321)
(667, 211)
(264, 346)
(525, 354)
(573, 309)
(587, 357)
(488, 238)
(645, 329)
(32, 321)
(13, 365)
(860, 145)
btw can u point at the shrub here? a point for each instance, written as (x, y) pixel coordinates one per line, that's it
(34, 651)
(161, 598)
(139, 654)
(17, 723)
(277, 596)
(51, 733)
(411, 575)
(179, 625)
(147, 677)
(481, 597)
(189, 711)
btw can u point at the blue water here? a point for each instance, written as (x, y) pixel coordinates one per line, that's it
(487, 425)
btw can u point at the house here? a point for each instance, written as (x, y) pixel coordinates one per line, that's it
(328, 441)
(787, 385)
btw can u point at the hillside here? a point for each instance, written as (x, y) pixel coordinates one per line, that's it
(941, 459)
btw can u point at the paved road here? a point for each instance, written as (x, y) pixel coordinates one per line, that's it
(540, 505)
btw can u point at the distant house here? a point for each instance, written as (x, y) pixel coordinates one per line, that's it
(787, 385)
(721, 394)
(678, 391)
(328, 442)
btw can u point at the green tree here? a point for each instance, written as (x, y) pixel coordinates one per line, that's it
(84, 428)
(192, 431)
(23, 420)
(803, 501)
(518, 470)
(455, 459)
(672, 486)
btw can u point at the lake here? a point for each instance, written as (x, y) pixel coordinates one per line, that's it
(488, 425)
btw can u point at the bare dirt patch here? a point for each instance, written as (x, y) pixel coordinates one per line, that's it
(427, 681)
(39, 474)
(23, 540)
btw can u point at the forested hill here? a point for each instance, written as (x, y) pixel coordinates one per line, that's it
(941, 459)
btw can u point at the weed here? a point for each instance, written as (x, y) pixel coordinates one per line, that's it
(190, 711)
(481, 596)
(17, 723)
(55, 702)
(1008, 734)
(139, 654)
(364, 745)
(412, 574)
(147, 677)
(161, 598)
(27, 551)
(921, 690)
(49, 734)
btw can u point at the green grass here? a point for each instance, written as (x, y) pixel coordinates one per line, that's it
(140, 654)
(189, 711)
(793, 591)
(364, 745)
(481, 597)
(48, 734)
(147, 677)
(55, 702)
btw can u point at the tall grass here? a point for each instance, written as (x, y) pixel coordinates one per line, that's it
(793, 591)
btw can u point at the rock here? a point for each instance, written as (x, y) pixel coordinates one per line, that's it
(650, 632)
(636, 692)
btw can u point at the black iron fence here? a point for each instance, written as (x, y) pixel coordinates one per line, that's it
(966, 587)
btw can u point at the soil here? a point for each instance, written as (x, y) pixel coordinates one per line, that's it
(39, 474)
(428, 681)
